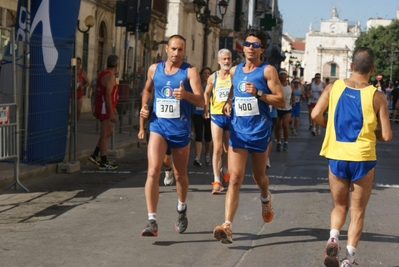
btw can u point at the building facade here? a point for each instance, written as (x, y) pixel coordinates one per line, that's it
(328, 50)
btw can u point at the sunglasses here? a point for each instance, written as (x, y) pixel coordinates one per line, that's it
(254, 44)
(317, 77)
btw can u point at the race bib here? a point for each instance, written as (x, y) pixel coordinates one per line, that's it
(222, 94)
(246, 106)
(297, 98)
(168, 108)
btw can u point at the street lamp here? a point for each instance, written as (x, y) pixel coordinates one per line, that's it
(89, 22)
(203, 15)
(392, 57)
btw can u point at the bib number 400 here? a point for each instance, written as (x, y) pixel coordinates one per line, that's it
(245, 106)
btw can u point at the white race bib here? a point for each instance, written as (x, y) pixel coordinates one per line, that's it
(246, 106)
(297, 98)
(222, 94)
(168, 108)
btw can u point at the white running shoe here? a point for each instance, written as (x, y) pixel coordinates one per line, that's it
(346, 263)
(169, 177)
(268, 163)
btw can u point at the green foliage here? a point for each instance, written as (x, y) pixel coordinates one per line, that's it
(378, 39)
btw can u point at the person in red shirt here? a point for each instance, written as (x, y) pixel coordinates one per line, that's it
(104, 110)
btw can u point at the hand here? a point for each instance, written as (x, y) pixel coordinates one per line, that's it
(141, 134)
(144, 112)
(112, 118)
(206, 114)
(179, 93)
(250, 88)
(227, 108)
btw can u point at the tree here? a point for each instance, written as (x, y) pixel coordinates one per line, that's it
(378, 39)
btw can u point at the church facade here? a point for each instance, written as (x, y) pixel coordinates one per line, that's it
(329, 50)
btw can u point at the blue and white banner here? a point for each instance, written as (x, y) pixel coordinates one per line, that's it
(52, 26)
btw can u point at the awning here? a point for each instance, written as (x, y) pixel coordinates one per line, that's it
(239, 47)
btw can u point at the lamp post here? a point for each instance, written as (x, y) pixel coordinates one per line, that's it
(392, 57)
(89, 22)
(203, 15)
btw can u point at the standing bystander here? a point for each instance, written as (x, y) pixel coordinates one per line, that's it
(105, 104)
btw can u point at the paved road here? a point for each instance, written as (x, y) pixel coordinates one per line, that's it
(94, 218)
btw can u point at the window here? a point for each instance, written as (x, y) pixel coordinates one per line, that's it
(333, 70)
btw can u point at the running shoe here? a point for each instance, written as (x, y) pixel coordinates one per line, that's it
(267, 210)
(346, 263)
(318, 130)
(169, 177)
(225, 177)
(108, 166)
(278, 148)
(197, 163)
(285, 147)
(207, 160)
(223, 233)
(151, 229)
(314, 131)
(268, 165)
(217, 188)
(93, 159)
(182, 222)
(294, 132)
(331, 253)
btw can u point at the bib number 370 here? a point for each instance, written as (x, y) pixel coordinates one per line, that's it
(168, 108)
(246, 106)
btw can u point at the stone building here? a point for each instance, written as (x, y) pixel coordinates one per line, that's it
(328, 50)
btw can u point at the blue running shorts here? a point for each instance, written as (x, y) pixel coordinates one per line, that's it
(351, 170)
(257, 142)
(177, 140)
(221, 120)
(296, 110)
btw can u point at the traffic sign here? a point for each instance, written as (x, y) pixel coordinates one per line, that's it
(378, 77)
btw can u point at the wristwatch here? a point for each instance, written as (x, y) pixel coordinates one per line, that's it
(259, 93)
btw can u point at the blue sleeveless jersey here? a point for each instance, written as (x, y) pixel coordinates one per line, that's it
(163, 88)
(256, 123)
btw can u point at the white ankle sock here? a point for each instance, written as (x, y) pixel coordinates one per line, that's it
(334, 233)
(350, 253)
(230, 223)
(217, 179)
(264, 200)
(181, 206)
(152, 216)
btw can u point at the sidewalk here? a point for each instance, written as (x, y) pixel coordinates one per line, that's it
(87, 137)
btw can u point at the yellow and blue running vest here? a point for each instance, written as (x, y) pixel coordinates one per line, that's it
(351, 124)
(220, 93)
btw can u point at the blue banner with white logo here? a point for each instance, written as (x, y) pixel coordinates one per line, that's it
(52, 26)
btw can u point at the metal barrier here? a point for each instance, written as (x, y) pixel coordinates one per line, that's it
(9, 141)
